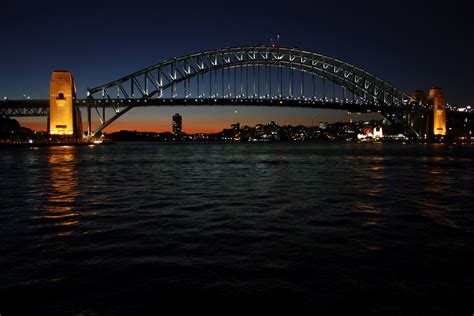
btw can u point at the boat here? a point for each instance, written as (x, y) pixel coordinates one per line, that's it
(103, 141)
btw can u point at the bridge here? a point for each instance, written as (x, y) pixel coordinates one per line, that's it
(253, 76)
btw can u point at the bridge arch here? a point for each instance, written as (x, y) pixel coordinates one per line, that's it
(224, 74)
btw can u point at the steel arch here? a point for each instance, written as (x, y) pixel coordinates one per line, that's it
(152, 82)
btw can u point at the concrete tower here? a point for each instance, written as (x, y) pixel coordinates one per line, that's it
(64, 118)
(436, 99)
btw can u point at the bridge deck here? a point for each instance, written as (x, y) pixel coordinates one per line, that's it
(29, 108)
(24, 108)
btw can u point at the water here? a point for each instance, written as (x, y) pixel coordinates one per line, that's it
(301, 228)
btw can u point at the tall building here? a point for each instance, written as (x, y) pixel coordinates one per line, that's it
(236, 131)
(177, 124)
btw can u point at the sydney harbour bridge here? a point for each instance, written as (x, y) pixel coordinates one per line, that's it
(240, 76)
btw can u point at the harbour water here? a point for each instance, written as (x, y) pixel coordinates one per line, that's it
(297, 227)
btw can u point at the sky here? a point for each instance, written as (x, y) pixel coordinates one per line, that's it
(411, 44)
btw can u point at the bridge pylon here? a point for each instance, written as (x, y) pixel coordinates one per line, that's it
(64, 117)
(437, 101)
(430, 116)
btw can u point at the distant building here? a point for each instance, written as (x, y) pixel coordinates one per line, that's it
(368, 131)
(378, 133)
(236, 130)
(177, 124)
(260, 130)
(236, 126)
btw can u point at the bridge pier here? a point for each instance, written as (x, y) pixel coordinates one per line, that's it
(431, 117)
(64, 118)
(437, 101)
(89, 123)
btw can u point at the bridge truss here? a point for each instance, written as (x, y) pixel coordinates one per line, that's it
(246, 76)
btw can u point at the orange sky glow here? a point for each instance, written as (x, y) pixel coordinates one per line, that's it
(209, 120)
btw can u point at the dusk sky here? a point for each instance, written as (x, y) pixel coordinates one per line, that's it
(411, 44)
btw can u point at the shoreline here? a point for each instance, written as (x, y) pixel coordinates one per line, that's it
(14, 145)
(31, 145)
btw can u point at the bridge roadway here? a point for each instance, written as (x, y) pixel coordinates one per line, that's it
(25, 108)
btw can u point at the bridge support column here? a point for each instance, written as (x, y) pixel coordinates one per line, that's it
(89, 123)
(436, 99)
(64, 117)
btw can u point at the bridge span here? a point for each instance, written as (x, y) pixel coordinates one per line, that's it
(239, 76)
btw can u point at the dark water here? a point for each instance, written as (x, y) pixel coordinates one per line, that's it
(299, 228)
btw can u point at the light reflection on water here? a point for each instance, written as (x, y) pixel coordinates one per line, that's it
(375, 189)
(62, 190)
(321, 222)
(438, 181)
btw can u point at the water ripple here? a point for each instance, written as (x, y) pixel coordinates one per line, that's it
(311, 223)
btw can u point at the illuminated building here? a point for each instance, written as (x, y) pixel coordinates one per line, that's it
(378, 133)
(177, 124)
(64, 117)
(436, 99)
(368, 131)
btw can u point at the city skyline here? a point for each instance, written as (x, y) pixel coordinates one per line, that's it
(197, 118)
